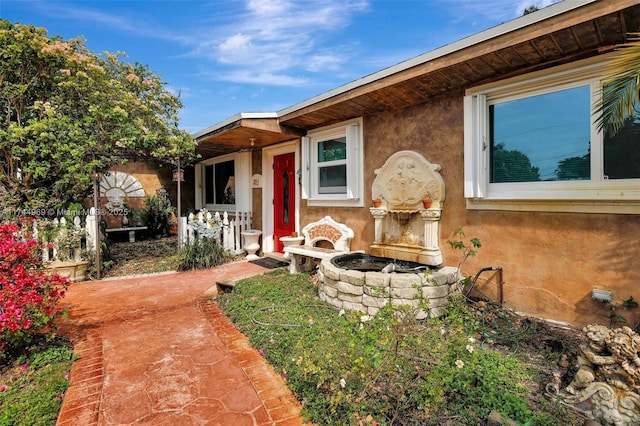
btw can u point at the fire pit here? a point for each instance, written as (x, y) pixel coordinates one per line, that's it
(365, 262)
(359, 282)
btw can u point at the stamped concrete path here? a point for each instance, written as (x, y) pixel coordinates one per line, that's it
(155, 351)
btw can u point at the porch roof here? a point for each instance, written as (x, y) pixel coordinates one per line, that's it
(561, 33)
(243, 131)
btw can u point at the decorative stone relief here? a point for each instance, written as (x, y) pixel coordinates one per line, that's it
(405, 227)
(121, 185)
(405, 179)
(606, 376)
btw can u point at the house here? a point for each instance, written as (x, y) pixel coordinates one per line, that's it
(507, 115)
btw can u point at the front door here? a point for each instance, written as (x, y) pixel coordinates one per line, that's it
(284, 206)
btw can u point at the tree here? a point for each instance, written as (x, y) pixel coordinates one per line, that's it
(574, 168)
(530, 9)
(512, 166)
(67, 112)
(620, 88)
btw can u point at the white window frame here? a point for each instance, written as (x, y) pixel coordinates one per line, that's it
(242, 172)
(352, 131)
(597, 195)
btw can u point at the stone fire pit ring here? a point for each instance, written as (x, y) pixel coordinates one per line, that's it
(369, 291)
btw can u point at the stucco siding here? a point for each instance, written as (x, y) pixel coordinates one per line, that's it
(551, 261)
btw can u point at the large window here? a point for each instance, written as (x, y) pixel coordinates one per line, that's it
(534, 138)
(219, 183)
(333, 165)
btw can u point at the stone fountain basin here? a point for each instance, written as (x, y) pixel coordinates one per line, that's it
(369, 290)
(365, 262)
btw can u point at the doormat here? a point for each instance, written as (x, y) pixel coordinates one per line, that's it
(269, 263)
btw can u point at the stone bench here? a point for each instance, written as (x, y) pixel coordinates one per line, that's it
(325, 229)
(131, 230)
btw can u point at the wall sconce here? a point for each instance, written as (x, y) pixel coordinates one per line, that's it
(97, 176)
(603, 296)
(253, 141)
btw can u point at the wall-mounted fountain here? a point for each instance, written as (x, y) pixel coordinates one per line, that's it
(411, 192)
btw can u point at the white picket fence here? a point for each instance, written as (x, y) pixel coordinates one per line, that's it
(59, 239)
(225, 228)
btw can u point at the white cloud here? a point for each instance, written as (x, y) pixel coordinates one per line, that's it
(524, 4)
(272, 40)
(261, 77)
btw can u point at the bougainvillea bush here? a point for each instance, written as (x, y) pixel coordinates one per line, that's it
(29, 296)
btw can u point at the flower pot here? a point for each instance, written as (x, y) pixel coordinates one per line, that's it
(426, 203)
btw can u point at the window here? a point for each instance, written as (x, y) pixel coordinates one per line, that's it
(219, 183)
(534, 138)
(333, 166)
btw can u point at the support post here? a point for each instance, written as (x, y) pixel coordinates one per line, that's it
(95, 178)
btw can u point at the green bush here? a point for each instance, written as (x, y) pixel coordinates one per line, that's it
(158, 212)
(349, 368)
(202, 254)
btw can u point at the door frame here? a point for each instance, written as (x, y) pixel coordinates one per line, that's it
(268, 154)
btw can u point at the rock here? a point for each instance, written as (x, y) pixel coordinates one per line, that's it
(497, 419)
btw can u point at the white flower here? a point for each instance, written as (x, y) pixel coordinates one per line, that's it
(361, 326)
(470, 349)
(471, 339)
(365, 318)
(443, 331)
(459, 363)
(341, 313)
(343, 383)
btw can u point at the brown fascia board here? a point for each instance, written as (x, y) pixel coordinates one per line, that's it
(523, 29)
(271, 125)
(249, 122)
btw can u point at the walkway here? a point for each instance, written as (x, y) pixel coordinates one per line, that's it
(154, 351)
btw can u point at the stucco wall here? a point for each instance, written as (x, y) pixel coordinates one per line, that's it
(551, 261)
(151, 177)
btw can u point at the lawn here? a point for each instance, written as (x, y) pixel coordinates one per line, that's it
(349, 368)
(32, 385)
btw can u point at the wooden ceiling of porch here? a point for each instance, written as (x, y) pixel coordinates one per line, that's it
(240, 134)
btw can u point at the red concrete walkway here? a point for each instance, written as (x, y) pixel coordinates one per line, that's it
(154, 351)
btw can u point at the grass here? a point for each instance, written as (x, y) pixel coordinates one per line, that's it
(349, 369)
(33, 384)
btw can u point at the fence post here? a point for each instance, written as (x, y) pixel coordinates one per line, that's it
(90, 228)
(77, 249)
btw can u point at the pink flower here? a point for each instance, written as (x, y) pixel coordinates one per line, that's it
(261, 352)
(3, 388)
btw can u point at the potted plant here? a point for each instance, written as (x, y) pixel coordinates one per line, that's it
(427, 200)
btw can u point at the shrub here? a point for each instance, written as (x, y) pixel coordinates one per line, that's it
(28, 295)
(158, 212)
(202, 253)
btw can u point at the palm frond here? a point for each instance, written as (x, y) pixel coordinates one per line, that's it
(620, 87)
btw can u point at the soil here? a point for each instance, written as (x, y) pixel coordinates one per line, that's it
(549, 349)
(141, 257)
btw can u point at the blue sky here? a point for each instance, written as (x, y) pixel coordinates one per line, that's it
(227, 57)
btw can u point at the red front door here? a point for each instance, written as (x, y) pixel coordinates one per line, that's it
(284, 205)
